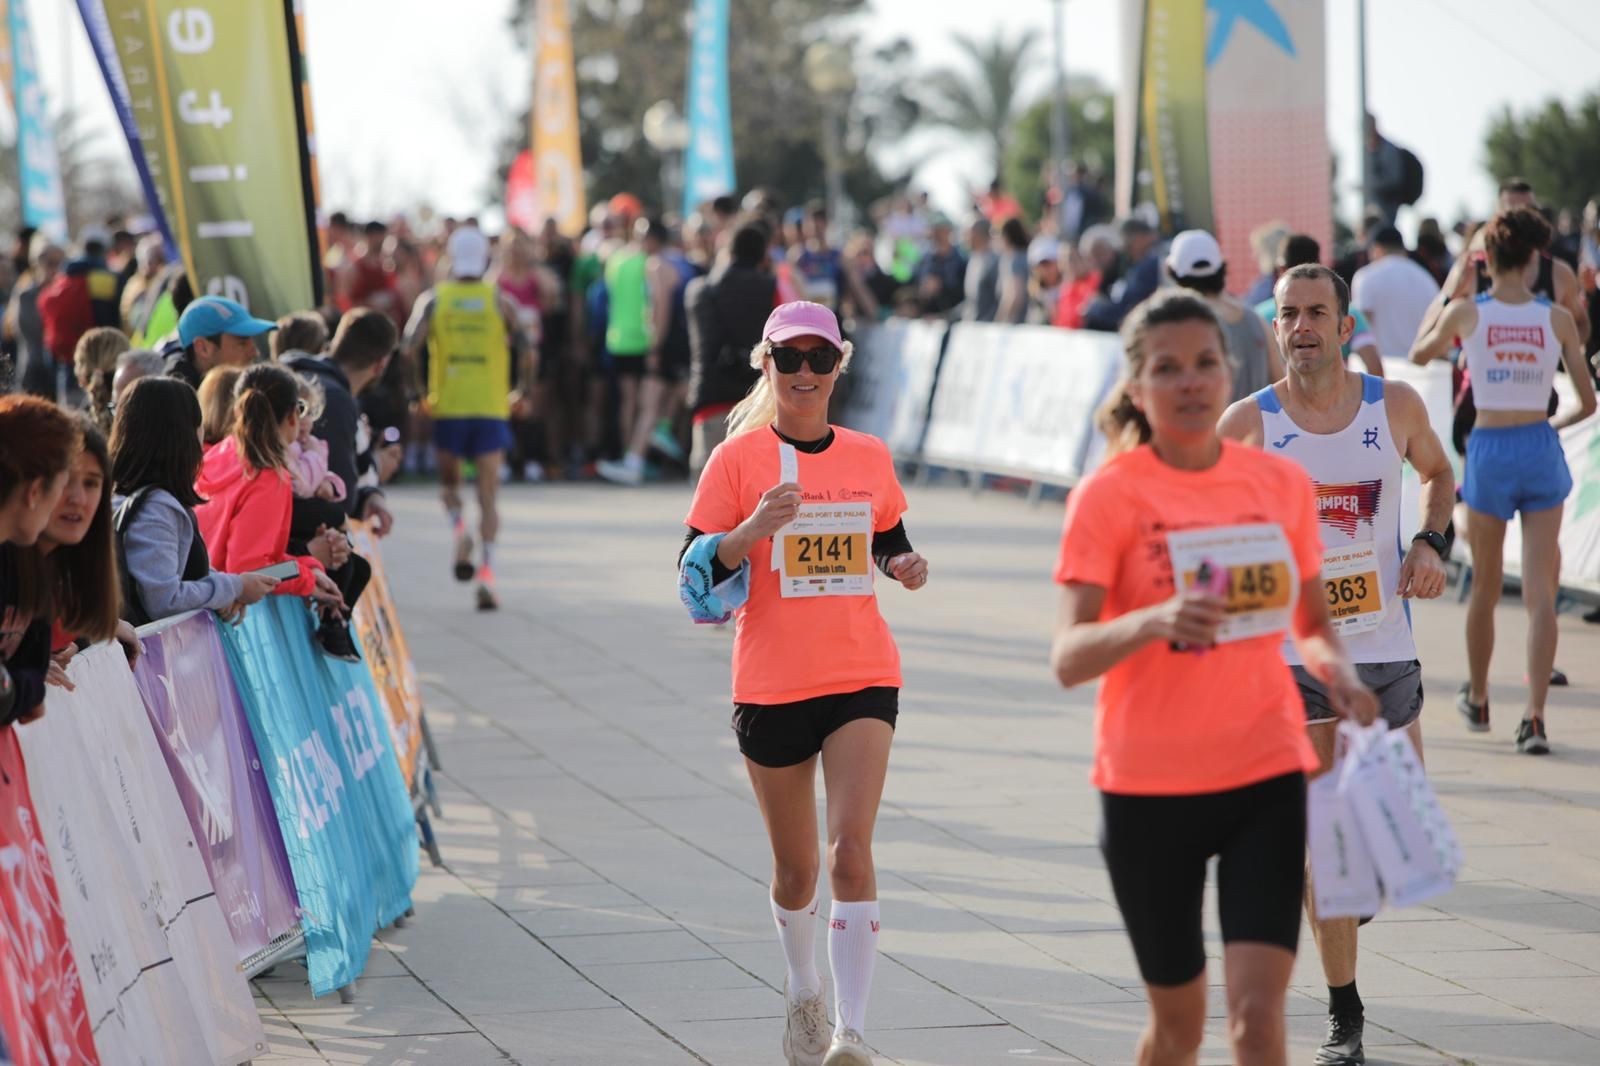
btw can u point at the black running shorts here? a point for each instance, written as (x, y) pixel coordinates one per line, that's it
(1156, 849)
(784, 734)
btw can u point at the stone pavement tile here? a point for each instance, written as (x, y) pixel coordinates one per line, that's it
(1391, 938)
(384, 1006)
(963, 1046)
(672, 945)
(497, 881)
(1406, 1014)
(1539, 1044)
(1520, 921)
(1106, 955)
(732, 1042)
(1581, 948)
(1378, 975)
(610, 1037)
(457, 1049)
(1571, 1001)
(1512, 962)
(594, 894)
(1105, 1034)
(594, 920)
(285, 1043)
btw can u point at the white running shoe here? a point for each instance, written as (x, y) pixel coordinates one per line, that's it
(805, 1033)
(620, 473)
(847, 1049)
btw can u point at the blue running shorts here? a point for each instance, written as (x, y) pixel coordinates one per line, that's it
(1517, 468)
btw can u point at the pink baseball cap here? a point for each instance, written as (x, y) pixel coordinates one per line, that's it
(801, 318)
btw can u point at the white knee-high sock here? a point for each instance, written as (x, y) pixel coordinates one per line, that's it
(852, 956)
(797, 933)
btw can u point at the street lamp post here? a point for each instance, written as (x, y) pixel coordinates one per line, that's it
(830, 71)
(668, 133)
(1059, 144)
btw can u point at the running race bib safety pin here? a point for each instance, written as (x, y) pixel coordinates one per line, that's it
(1261, 574)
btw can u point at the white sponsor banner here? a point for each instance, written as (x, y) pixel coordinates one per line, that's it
(891, 380)
(161, 976)
(1020, 400)
(1433, 384)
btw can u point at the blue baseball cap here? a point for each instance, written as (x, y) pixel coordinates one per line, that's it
(210, 316)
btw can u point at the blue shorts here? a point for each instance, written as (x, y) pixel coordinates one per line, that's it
(1518, 468)
(471, 437)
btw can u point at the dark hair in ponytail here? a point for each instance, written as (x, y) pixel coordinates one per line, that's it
(1124, 425)
(1513, 237)
(263, 398)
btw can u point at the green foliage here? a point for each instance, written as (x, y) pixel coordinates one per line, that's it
(632, 53)
(1090, 119)
(981, 100)
(1554, 147)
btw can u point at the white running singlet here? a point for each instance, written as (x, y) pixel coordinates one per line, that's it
(1356, 473)
(1512, 355)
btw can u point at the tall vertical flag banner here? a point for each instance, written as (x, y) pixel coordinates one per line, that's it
(219, 98)
(558, 171)
(708, 163)
(38, 166)
(1221, 120)
(103, 42)
(6, 72)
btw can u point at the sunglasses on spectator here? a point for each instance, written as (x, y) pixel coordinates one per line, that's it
(822, 360)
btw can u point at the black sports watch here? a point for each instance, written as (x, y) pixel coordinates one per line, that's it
(1433, 540)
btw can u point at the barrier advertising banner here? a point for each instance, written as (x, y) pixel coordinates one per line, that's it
(708, 163)
(891, 381)
(344, 812)
(211, 755)
(1580, 522)
(557, 173)
(394, 674)
(42, 1010)
(222, 116)
(38, 164)
(171, 991)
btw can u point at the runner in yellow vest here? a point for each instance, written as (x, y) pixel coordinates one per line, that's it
(477, 360)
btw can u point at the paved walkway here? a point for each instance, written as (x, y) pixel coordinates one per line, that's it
(603, 898)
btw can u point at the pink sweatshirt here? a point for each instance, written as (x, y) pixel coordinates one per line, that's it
(308, 468)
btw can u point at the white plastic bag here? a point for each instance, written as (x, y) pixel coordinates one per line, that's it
(1408, 837)
(1343, 877)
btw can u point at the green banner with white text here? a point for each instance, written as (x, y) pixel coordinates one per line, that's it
(218, 92)
(1172, 145)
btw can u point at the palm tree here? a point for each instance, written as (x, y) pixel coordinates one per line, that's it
(983, 99)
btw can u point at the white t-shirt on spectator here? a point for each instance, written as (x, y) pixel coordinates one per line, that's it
(1394, 293)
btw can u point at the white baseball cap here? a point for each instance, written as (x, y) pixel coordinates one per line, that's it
(1043, 250)
(1194, 254)
(468, 250)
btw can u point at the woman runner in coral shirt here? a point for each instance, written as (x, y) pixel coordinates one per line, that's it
(804, 510)
(1184, 559)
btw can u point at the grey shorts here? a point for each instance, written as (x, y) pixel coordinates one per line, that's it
(1398, 687)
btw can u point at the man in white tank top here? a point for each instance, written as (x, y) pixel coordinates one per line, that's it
(1352, 432)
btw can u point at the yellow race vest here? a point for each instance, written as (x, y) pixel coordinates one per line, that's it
(469, 360)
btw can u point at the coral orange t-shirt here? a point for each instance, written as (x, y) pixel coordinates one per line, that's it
(786, 650)
(1177, 722)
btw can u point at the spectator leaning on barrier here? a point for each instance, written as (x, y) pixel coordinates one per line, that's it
(362, 347)
(1195, 262)
(155, 457)
(214, 332)
(727, 311)
(38, 441)
(1140, 278)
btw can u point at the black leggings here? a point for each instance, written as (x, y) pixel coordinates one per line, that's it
(1156, 849)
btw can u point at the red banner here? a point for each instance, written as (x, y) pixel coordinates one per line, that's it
(41, 995)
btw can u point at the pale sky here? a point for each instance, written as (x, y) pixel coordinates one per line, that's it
(416, 118)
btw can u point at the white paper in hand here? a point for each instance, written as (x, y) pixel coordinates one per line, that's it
(788, 473)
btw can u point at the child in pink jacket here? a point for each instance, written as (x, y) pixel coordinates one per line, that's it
(308, 456)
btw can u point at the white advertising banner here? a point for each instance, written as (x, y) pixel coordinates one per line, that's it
(161, 976)
(961, 399)
(1433, 384)
(891, 381)
(1580, 522)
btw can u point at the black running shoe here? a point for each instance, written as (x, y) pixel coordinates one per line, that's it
(487, 601)
(1476, 714)
(463, 568)
(334, 637)
(1593, 617)
(1343, 1046)
(1558, 679)
(1531, 739)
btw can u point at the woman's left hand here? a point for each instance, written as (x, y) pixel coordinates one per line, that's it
(910, 569)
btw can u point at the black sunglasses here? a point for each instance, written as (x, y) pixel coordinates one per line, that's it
(822, 360)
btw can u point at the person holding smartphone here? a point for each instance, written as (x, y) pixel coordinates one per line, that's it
(162, 560)
(1184, 559)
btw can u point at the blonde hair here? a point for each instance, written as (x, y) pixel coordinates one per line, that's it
(315, 398)
(216, 402)
(759, 408)
(94, 362)
(1124, 425)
